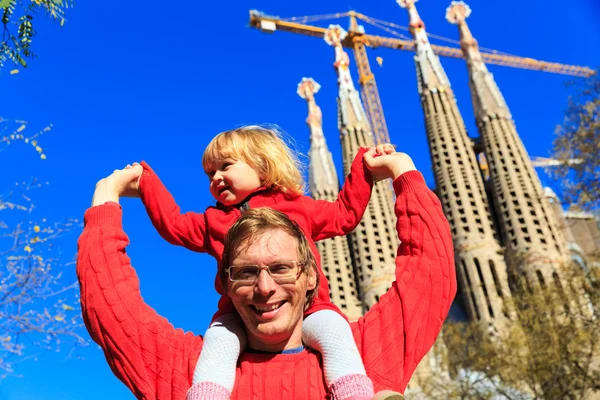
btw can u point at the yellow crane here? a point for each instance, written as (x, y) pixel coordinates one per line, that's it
(358, 40)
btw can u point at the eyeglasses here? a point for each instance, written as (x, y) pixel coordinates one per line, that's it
(280, 272)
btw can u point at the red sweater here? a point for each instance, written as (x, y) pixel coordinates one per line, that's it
(157, 361)
(206, 232)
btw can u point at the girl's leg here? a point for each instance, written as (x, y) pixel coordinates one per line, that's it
(214, 375)
(329, 333)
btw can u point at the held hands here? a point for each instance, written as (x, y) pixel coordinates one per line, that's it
(384, 162)
(121, 183)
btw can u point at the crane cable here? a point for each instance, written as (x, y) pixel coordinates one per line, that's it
(370, 20)
(376, 24)
(311, 18)
(386, 27)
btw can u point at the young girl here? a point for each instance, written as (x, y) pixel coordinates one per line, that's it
(253, 167)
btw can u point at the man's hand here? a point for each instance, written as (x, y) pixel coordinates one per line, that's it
(121, 183)
(384, 162)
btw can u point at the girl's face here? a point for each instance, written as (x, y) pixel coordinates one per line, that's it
(231, 181)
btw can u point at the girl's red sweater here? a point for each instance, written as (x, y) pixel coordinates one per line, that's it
(157, 361)
(205, 232)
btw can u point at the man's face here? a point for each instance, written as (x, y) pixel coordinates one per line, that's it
(271, 312)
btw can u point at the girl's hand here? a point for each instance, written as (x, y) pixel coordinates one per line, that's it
(387, 165)
(121, 183)
(383, 149)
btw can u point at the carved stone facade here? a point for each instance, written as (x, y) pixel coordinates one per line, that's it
(324, 185)
(374, 242)
(481, 271)
(501, 219)
(535, 247)
(580, 229)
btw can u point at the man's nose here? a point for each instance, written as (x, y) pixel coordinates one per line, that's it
(264, 283)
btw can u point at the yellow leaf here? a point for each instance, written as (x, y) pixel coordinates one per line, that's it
(27, 249)
(43, 156)
(36, 229)
(14, 71)
(67, 307)
(59, 318)
(62, 22)
(21, 128)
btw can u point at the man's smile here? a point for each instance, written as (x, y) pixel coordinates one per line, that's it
(267, 311)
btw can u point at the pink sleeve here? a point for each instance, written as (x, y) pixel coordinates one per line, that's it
(187, 230)
(338, 218)
(142, 348)
(397, 332)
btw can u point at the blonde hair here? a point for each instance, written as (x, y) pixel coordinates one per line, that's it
(265, 150)
(255, 222)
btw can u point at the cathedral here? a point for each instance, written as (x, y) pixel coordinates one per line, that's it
(504, 223)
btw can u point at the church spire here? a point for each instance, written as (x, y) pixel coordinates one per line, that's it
(322, 175)
(350, 108)
(430, 73)
(535, 248)
(480, 267)
(323, 182)
(373, 243)
(487, 98)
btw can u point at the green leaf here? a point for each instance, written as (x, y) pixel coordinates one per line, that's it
(21, 60)
(5, 3)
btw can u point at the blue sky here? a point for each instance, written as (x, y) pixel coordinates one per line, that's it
(126, 81)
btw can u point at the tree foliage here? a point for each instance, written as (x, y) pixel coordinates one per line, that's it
(577, 146)
(38, 309)
(552, 353)
(18, 17)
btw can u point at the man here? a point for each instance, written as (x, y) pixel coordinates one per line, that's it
(157, 361)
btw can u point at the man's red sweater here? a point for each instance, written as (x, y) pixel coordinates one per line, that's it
(157, 361)
(205, 232)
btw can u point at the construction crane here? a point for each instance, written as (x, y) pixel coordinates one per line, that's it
(358, 40)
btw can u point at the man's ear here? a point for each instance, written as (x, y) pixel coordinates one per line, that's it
(312, 277)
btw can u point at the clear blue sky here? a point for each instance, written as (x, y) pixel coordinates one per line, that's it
(126, 81)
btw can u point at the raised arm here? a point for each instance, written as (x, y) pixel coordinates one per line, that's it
(338, 218)
(397, 332)
(187, 230)
(142, 348)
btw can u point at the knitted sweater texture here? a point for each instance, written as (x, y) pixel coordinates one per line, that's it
(157, 361)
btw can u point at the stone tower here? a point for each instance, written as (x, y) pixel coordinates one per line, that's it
(481, 269)
(529, 231)
(374, 242)
(324, 185)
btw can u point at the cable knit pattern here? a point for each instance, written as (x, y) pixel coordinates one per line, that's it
(156, 361)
